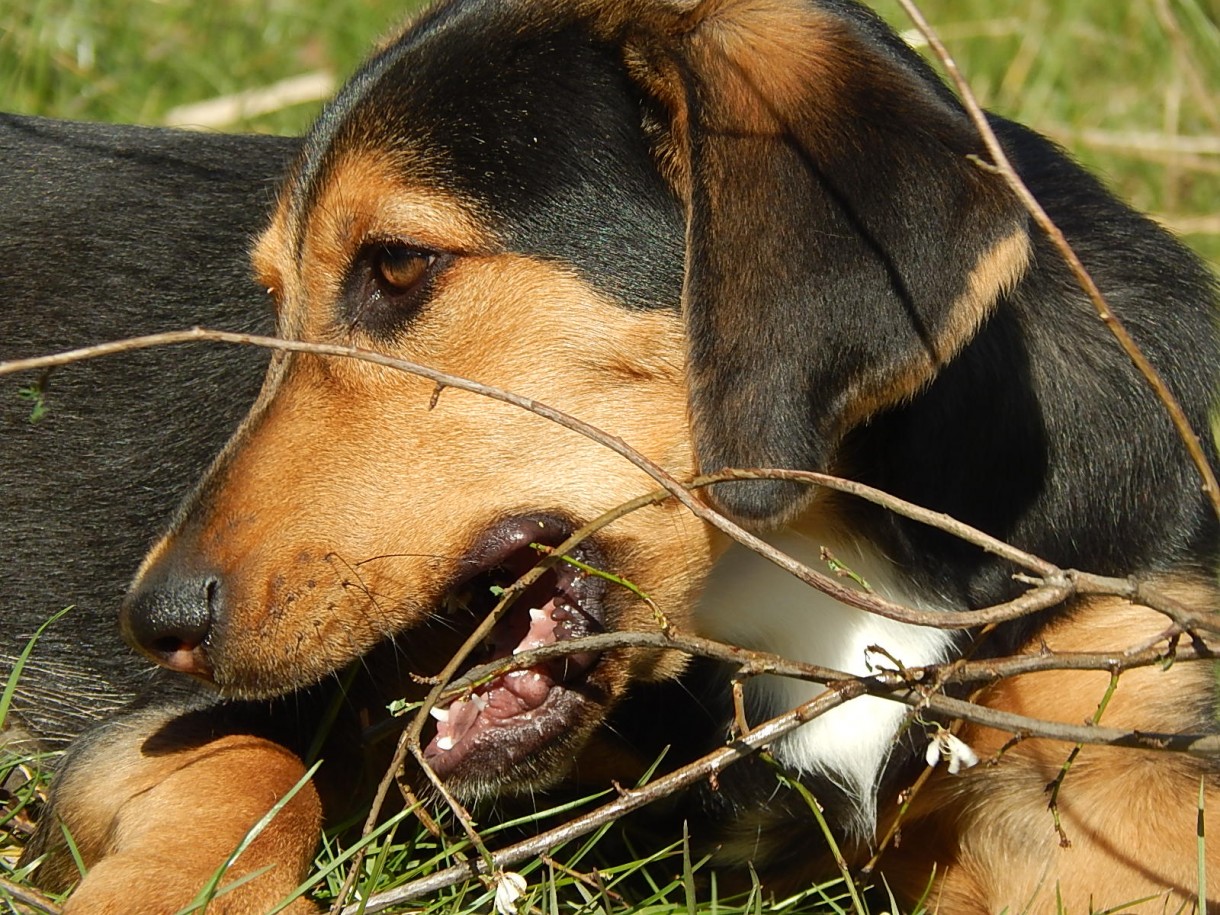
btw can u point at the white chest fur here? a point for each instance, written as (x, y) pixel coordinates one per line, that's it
(750, 602)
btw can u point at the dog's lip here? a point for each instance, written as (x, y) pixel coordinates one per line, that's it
(517, 713)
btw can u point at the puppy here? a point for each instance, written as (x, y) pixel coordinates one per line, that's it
(731, 234)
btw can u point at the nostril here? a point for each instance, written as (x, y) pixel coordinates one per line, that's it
(170, 620)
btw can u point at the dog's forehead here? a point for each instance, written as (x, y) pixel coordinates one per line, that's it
(528, 119)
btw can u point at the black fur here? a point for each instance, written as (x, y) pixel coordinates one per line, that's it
(1051, 437)
(108, 232)
(560, 162)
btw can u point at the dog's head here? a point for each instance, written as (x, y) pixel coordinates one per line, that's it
(725, 232)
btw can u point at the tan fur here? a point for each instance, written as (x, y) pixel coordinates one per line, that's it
(764, 57)
(1129, 815)
(760, 66)
(180, 815)
(772, 63)
(364, 200)
(338, 568)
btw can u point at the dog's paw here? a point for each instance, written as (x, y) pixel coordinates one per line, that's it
(156, 819)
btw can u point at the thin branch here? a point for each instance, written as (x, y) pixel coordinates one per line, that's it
(760, 662)
(1050, 593)
(630, 800)
(227, 110)
(1145, 142)
(1055, 586)
(938, 520)
(1192, 225)
(900, 686)
(1176, 414)
(31, 899)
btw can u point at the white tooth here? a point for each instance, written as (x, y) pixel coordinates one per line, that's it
(536, 615)
(480, 702)
(440, 714)
(444, 743)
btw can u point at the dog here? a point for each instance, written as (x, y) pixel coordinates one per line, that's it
(110, 232)
(731, 233)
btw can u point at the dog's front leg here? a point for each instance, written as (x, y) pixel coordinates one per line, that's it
(173, 792)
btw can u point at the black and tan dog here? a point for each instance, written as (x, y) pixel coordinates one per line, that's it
(731, 233)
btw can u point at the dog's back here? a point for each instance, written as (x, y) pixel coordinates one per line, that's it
(108, 232)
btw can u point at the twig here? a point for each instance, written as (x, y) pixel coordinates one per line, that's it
(1056, 586)
(630, 800)
(1047, 595)
(1176, 414)
(227, 110)
(760, 662)
(906, 798)
(1056, 784)
(905, 686)
(1147, 142)
(1192, 225)
(33, 900)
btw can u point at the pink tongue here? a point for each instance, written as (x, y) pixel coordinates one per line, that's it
(514, 695)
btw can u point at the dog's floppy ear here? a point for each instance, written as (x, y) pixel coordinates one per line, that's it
(843, 241)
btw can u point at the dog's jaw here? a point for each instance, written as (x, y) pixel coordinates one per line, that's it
(517, 713)
(751, 602)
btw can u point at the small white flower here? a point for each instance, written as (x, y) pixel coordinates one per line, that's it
(510, 886)
(945, 746)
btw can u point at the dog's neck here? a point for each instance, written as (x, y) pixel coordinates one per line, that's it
(751, 602)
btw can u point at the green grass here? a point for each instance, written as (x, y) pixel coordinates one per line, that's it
(578, 878)
(1132, 89)
(133, 62)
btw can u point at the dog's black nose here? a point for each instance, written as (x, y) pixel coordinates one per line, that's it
(169, 620)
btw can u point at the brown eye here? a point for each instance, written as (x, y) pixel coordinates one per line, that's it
(400, 269)
(387, 285)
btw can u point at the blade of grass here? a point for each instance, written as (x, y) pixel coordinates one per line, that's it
(212, 888)
(10, 685)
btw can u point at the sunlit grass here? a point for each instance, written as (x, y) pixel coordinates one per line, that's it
(1132, 89)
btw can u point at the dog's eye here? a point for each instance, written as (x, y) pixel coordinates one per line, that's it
(400, 269)
(389, 283)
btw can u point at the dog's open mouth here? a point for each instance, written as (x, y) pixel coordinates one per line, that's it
(519, 712)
